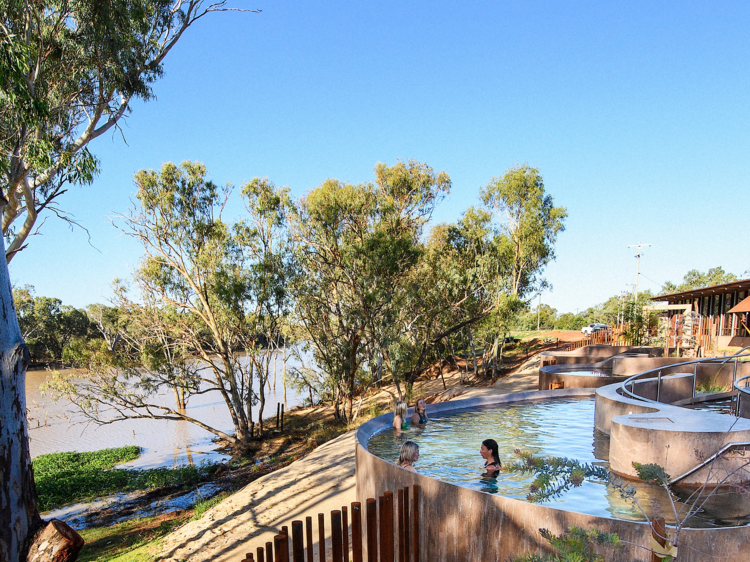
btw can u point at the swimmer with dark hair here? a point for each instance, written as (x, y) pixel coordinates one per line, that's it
(491, 457)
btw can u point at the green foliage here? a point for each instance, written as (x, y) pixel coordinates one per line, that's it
(62, 478)
(554, 476)
(48, 326)
(575, 545)
(528, 219)
(695, 279)
(111, 53)
(652, 474)
(135, 540)
(203, 506)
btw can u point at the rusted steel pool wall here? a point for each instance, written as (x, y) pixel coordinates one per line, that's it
(459, 524)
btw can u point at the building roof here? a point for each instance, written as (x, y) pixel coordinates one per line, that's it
(732, 287)
(742, 306)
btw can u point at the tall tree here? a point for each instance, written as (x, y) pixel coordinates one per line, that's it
(695, 279)
(525, 214)
(357, 246)
(212, 295)
(68, 71)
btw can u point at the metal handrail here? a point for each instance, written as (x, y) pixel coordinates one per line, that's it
(710, 459)
(658, 370)
(740, 390)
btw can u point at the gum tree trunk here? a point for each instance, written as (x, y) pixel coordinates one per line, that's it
(19, 518)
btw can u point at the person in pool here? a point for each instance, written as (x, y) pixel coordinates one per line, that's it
(399, 416)
(408, 456)
(420, 415)
(489, 453)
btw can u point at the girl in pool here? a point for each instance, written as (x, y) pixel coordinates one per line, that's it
(399, 416)
(408, 456)
(489, 453)
(419, 417)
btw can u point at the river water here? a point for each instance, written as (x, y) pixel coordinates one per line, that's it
(58, 427)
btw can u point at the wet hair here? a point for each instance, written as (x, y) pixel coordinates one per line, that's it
(408, 452)
(400, 409)
(491, 444)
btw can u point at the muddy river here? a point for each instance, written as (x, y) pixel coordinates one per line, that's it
(57, 427)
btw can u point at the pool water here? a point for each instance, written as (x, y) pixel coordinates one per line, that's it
(449, 451)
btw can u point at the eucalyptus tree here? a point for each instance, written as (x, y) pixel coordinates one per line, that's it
(70, 70)
(526, 224)
(356, 248)
(205, 288)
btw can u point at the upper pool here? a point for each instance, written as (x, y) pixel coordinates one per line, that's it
(449, 451)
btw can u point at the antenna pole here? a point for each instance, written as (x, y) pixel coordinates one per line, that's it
(638, 267)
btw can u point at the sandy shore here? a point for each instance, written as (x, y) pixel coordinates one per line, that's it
(320, 482)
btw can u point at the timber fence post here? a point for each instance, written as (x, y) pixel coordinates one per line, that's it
(357, 532)
(309, 533)
(372, 530)
(298, 542)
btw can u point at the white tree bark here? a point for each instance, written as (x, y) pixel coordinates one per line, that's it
(19, 517)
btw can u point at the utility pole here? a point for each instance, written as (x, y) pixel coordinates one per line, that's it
(638, 267)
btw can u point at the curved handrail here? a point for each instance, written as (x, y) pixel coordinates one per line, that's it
(695, 362)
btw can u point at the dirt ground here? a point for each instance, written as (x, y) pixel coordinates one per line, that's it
(324, 479)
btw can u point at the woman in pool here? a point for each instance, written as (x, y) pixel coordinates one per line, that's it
(419, 417)
(489, 453)
(408, 456)
(399, 416)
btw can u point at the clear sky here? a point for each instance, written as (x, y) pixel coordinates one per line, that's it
(635, 113)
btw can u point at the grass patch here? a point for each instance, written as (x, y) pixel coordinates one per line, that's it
(711, 387)
(63, 478)
(136, 540)
(203, 506)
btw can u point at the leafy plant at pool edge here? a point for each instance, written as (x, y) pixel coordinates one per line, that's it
(576, 545)
(554, 475)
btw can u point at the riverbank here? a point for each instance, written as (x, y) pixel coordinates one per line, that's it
(306, 470)
(319, 483)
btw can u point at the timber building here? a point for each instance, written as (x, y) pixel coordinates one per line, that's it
(711, 319)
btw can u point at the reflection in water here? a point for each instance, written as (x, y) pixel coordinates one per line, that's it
(58, 427)
(449, 451)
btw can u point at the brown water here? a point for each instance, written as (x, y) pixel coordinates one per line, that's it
(59, 427)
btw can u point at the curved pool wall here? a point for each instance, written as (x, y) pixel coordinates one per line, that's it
(460, 524)
(673, 437)
(618, 367)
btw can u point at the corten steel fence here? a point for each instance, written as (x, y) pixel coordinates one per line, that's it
(391, 528)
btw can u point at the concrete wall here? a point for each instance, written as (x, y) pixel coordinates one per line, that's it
(462, 525)
(594, 354)
(675, 438)
(550, 380)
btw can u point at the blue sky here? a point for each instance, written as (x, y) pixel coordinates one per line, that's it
(636, 115)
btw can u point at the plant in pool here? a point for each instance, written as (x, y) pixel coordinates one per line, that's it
(553, 476)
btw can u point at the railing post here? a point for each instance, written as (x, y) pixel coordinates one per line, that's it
(261, 554)
(695, 378)
(401, 530)
(386, 528)
(345, 532)
(269, 552)
(658, 387)
(309, 533)
(407, 526)
(415, 522)
(372, 530)
(356, 532)
(282, 418)
(321, 537)
(336, 553)
(298, 542)
(278, 411)
(659, 534)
